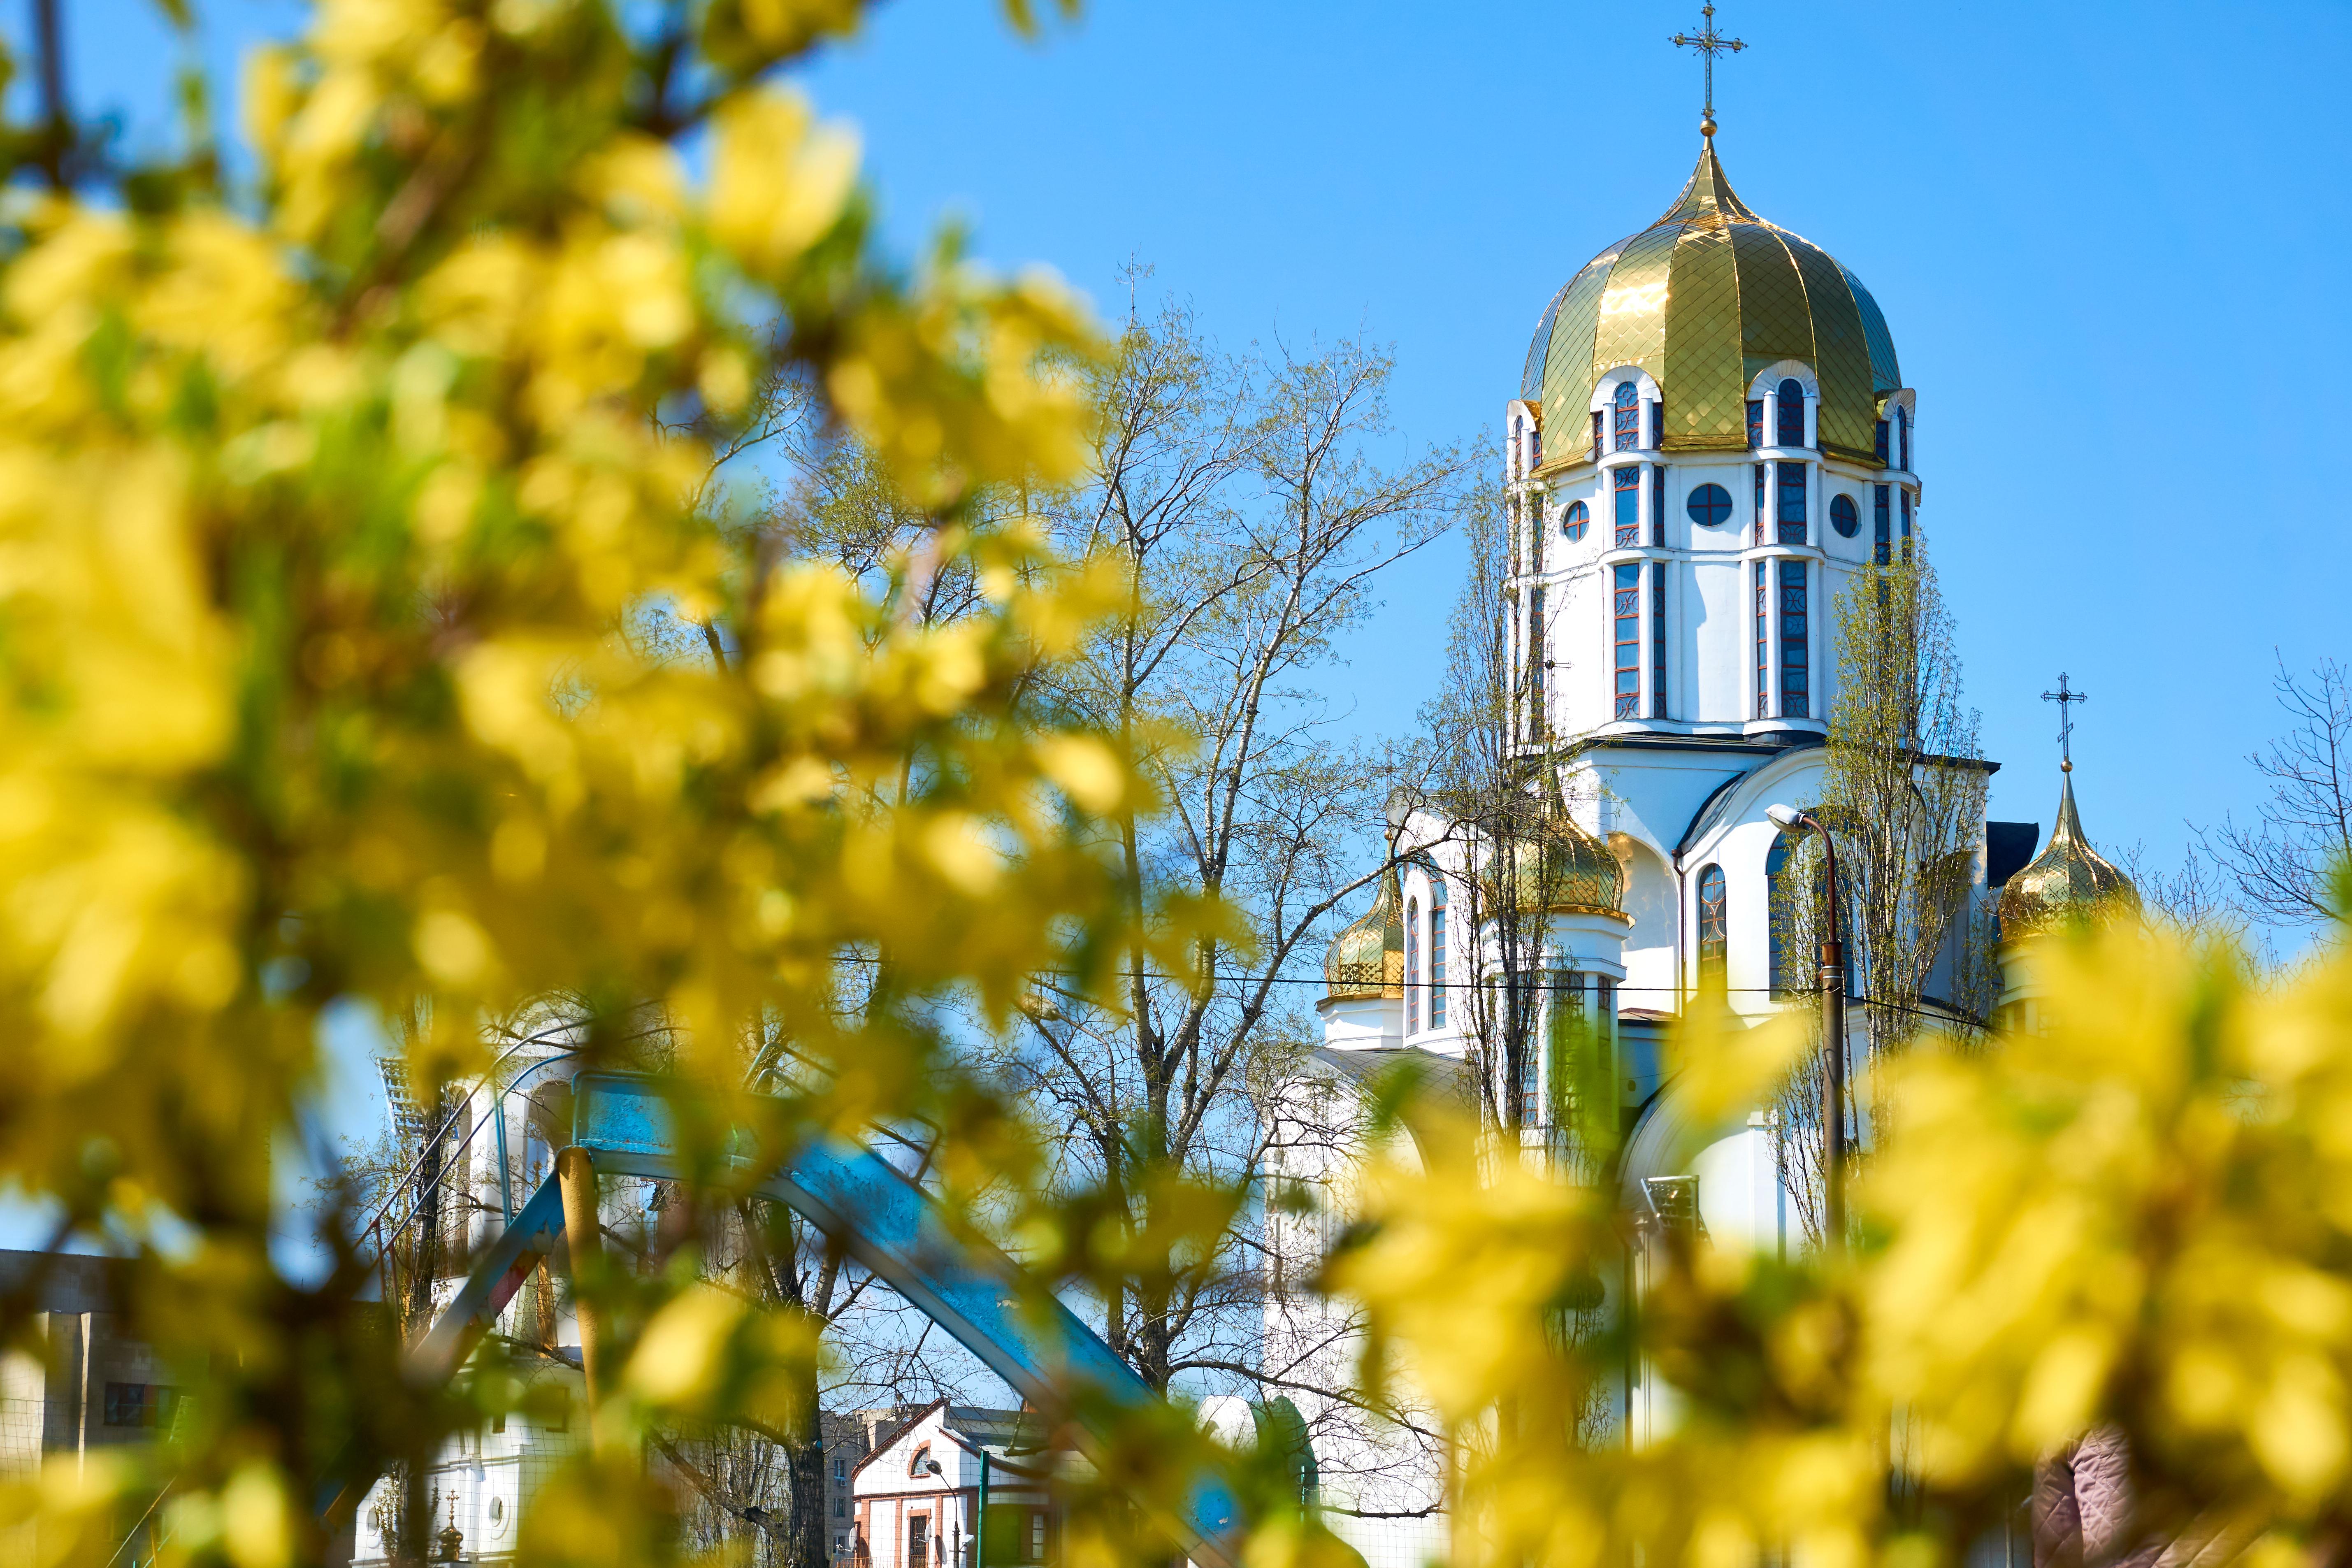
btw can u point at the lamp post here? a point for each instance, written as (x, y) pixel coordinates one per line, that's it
(1833, 978)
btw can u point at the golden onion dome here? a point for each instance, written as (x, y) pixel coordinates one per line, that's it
(1704, 299)
(1552, 866)
(2067, 883)
(1366, 960)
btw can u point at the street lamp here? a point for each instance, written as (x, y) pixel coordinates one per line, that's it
(1832, 975)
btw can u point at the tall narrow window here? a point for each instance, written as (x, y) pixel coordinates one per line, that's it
(1595, 453)
(1882, 527)
(1538, 652)
(1575, 521)
(1657, 639)
(1882, 443)
(1437, 952)
(1792, 510)
(1628, 608)
(1412, 967)
(1658, 505)
(1628, 489)
(1795, 689)
(1714, 927)
(1628, 417)
(1902, 441)
(1763, 646)
(1530, 1087)
(1754, 422)
(1517, 451)
(1657, 424)
(1535, 445)
(1791, 415)
(1907, 523)
(1759, 501)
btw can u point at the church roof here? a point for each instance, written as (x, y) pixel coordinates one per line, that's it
(2068, 883)
(1703, 299)
(1366, 960)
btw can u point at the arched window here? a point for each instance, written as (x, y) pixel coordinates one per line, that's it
(1436, 952)
(1902, 441)
(1845, 516)
(1714, 927)
(1412, 967)
(922, 1457)
(1709, 506)
(1575, 521)
(1784, 964)
(1628, 417)
(1792, 413)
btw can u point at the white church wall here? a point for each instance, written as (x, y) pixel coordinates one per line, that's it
(1650, 945)
(1740, 1197)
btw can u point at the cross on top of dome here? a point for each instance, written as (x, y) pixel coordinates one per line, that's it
(1709, 44)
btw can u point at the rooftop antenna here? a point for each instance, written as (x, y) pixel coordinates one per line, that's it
(1709, 44)
(2065, 700)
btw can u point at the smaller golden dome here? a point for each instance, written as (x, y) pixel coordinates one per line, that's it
(1553, 867)
(1366, 960)
(2067, 884)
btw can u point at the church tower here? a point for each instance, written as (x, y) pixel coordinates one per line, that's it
(1711, 434)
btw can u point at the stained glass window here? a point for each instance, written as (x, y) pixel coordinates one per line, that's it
(1575, 521)
(1845, 516)
(1709, 506)
(1791, 509)
(1437, 952)
(1657, 424)
(1628, 417)
(1657, 639)
(1595, 453)
(1882, 526)
(1763, 646)
(1628, 484)
(1658, 505)
(1792, 413)
(1412, 967)
(1795, 690)
(1714, 926)
(1627, 606)
(1754, 422)
(1882, 443)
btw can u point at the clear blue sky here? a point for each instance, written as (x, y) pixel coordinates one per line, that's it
(2109, 241)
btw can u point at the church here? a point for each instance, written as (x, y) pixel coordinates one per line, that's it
(1711, 438)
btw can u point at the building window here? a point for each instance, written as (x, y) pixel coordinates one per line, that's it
(1595, 453)
(1902, 441)
(919, 1540)
(922, 1457)
(1437, 952)
(1538, 648)
(840, 1469)
(1412, 967)
(1709, 506)
(1759, 501)
(1628, 417)
(1763, 646)
(1037, 1536)
(841, 1508)
(1657, 639)
(841, 1546)
(1792, 510)
(1517, 450)
(1657, 424)
(1714, 927)
(1628, 483)
(1754, 422)
(1792, 413)
(1535, 445)
(1658, 505)
(1629, 641)
(1845, 516)
(1882, 443)
(1795, 694)
(1575, 521)
(1530, 1086)
(1907, 524)
(1882, 527)
(141, 1405)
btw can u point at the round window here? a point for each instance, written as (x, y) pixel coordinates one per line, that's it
(1710, 506)
(1843, 517)
(1575, 520)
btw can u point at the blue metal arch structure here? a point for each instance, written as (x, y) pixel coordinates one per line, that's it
(888, 1224)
